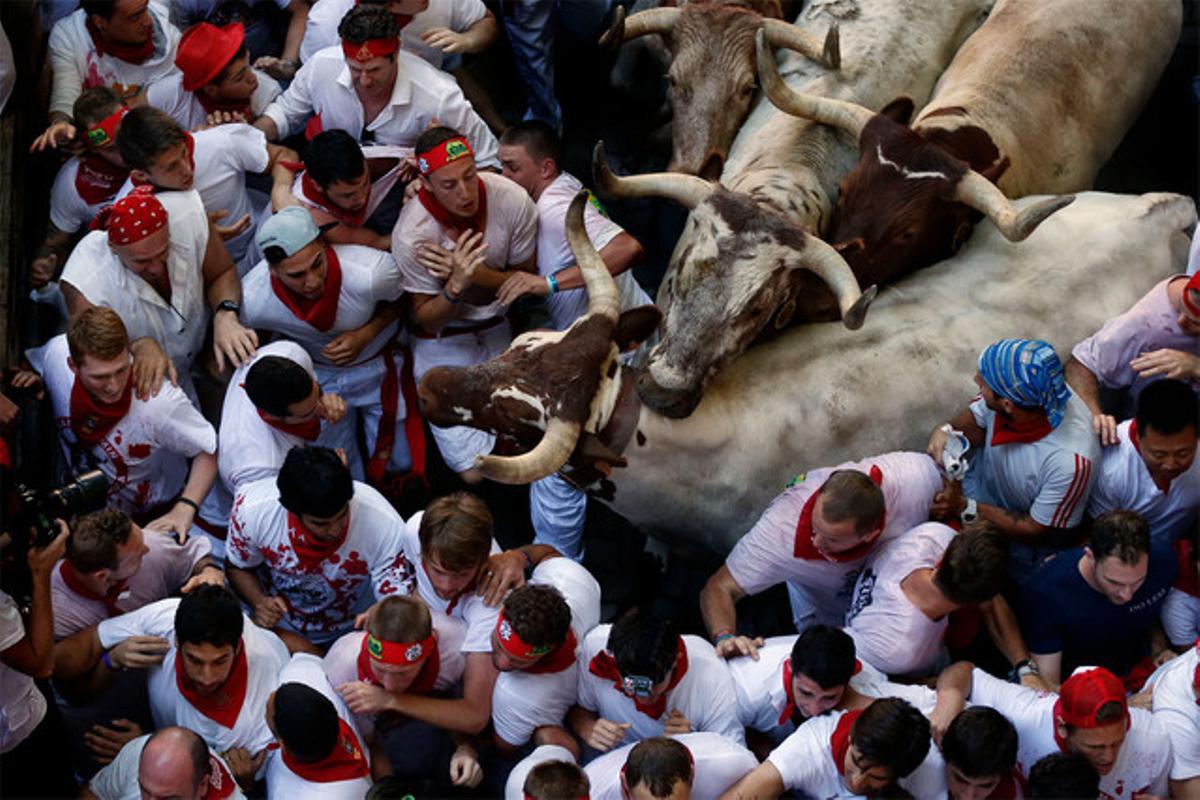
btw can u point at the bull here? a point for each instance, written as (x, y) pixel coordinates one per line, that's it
(1035, 102)
(816, 397)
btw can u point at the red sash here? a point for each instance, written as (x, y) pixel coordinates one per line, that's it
(558, 659)
(224, 705)
(1006, 432)
(91, 420)
(129, 53)
(96, 180)
(605, 666)
(839, 742)
(322, 312)
(422, 684)
(312, 190)
(75, 584)
(308, 430)
(191, 151)
(310, 550)
(345, 763)
(804, 547)
(450, 222)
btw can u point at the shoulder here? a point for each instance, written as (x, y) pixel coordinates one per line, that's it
(368, 500)
(506, 192)
(257, 497)
(69, 32)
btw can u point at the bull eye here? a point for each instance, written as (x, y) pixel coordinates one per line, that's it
(747, 90)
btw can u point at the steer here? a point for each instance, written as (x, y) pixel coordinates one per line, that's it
(1035, 102)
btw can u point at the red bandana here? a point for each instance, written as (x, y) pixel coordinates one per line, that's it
(558, 659)
(104, 132)
(96, 180)
(322, 312)
(345, 763)
(1006, 432)
(603, 665)
(224, 705)
(362, 52)
(804, 547)
(190, 143)
(312, 190)
(789, 709)
(455, 224)
(132, 218)
(75, 584)
(310, 550)
(839, 742)
(91, 420)
(1193, 285)
(511, 641)
(308, 431)
(443, 153)
(429, 658)
(129, 53)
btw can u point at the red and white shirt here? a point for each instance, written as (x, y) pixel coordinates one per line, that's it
(779, 546)
(323, 589)
(1177, 710)
(119, 780)
(719, 764)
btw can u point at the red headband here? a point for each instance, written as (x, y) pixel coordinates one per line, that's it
(363, 52)
(132, 218)
(442, 154)
(513, 644)
(400, 654)
(1192, 285)
(105, 131)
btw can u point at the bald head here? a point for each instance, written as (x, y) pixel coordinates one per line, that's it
(174, 764)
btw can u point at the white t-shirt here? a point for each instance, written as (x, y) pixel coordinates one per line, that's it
(165, 568)
(705, 694)
(1125, 483)
(1141, 765)
(168, 95)
(764, 556)
(1177, 710)
(514, 785)
(22, 706)
(720, 763)
(457, 15)
(68, 210)
(305, 669)
(554, 254)
(266, 655)
(510, 235)
(119, 780)
(881, 616)
(145, 455)
(321, 603)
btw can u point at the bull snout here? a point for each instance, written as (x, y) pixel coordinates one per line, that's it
(430, 392)
(673, 403)
(709, 168)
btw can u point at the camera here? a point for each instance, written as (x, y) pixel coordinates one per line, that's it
(38, 508)
(640, 686)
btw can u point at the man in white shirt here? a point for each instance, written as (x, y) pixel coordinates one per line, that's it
(548, 773)
(1177, 709)
(980, 751)
(816, 536)
(701, 766)
(172, 762)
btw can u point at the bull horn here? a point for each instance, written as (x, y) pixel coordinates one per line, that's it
(984, 196)
(556, 446)
(850, 117)
(824, 262)
(687, 190)
(784, 34)
(601, 288)
(643, 23)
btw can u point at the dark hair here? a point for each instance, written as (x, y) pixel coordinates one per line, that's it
(274, 383)
(537, 138)
(365, 22)
(1123, 535)
(892, 734)
(975, 565)
(981, 743)
(145, 134)
(314, 481)
(209, 615)
(307, 723)
(95, 539)
(658, 763)
(851, 495)
(539, 614)
(557, 780)
(334, 156)
(825, 655)
(457, 528)
(432, 137)
(93, 105)
(99, 8)
(643, 644)
(224, 73)
(1167, 407)
(1063, 776)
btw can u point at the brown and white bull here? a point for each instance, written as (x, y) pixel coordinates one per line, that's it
(1035, 102)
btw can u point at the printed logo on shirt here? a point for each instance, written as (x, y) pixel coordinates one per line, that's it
(862, 598)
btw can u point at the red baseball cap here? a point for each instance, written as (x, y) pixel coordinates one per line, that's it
(205, 50)
(1085, 693)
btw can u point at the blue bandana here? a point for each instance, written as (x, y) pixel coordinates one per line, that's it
(1028, 373)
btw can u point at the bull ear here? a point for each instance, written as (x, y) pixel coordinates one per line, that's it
(899, 110)
(636, 326)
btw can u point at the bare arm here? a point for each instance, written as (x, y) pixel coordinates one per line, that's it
(618, 255)
(267, 126)
(1002, 625)
(34, 653)
(295, 30)
(1016, 524)
(764, 781)
(468, 714)
(480, 36)
(50, 257)
(1087, 387)
(220, 276)
(282, 177)
(953, 691)
(433, 311)
(718, 601)
(1050, 668)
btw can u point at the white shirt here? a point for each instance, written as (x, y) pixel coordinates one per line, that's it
(380, 187)
(145, 455)
(322, 603)
(76, 65)
(168, 95)
(305, 669)
(119, 779)
(764, 557)
(1176, 710)
(266, 655)
(1049, 479)
(514, 785)
(22, 706)
(510, 234)
(881, 616)
(554, 254)
(421, 93)
(68, 210)
(179, 326)
(1125, 483)
(1141, 765)
(705, 694)
(720, 763)
(457, 15)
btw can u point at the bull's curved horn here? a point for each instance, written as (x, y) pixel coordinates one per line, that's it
(984, 196)
(601, 288)
(643, 23)
(850, 117)
(687, 190)
(551, 453)
(784, 34)
(824, 262)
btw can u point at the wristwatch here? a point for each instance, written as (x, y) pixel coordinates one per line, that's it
(229, 305)
(1026, 666)
(970, 513)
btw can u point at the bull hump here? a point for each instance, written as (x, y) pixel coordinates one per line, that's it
(747, 218)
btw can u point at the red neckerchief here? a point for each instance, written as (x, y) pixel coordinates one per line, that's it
(96, 180)
(789, 708)
(75, 584)
(221, 784)
(237, 106)
(310, 550)
(1006, 432)
(91, 420)
(225, 704)
(1008, 786)
(308, 431)
(312, 190)
(839, 742)
(422, 684)
(322, 312)
(605, 666)
(190, 142)
(456, 225)
(129, 53)
(345, 763)
(557, 659)
(804, 547)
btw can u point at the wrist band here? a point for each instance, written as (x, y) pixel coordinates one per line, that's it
(720, 637)
(450, 297)
(189, 502)
(552, 282)
(108, 662)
